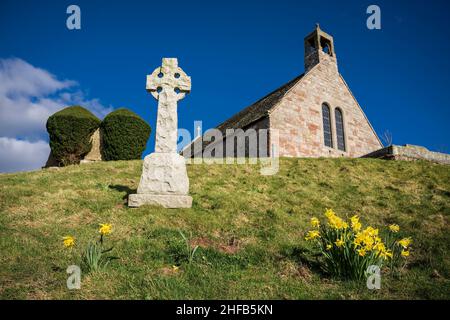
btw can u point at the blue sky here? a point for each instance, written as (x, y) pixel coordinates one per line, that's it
(235, 52)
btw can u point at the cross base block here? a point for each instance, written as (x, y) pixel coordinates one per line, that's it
(164, 200)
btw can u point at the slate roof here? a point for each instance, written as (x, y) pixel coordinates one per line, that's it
(259, 109)
(252, 113)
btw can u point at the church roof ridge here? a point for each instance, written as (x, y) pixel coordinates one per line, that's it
(253, 112)
(258, 109)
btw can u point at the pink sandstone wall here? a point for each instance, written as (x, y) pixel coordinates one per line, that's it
(298, 116)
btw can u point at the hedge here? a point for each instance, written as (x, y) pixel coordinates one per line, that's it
(124, 135)
(70, 131)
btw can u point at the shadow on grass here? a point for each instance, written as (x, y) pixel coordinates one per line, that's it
(125, 189)
(304, 256)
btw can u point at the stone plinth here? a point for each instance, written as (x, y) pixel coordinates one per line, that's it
(163, 200)
(164, 182)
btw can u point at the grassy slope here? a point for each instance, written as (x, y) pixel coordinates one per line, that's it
(250, 227)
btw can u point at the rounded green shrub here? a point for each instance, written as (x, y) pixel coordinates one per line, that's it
(124, 135)
(70, 131)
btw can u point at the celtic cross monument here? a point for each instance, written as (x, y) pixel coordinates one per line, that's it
(164, 179)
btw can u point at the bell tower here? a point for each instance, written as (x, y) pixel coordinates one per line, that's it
(319, 47)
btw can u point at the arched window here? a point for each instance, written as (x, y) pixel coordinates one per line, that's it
(327, 136)
(326, 46)
(339, 129)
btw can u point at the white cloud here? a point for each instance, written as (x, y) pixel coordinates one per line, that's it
(21, 78)
(21, 155)
(28, 96)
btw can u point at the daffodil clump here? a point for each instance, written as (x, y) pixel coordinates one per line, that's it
(93, 257)
(347, 248)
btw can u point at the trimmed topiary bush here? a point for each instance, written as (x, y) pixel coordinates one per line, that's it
(70, 131)
(124, 135)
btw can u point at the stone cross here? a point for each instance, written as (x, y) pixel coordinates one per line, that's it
(164, 180)
(168, 84)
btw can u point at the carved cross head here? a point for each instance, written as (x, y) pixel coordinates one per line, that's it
(168, 81)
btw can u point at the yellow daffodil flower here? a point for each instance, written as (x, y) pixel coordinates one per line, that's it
(371, 231)
(356, 225)
(386, 254)
(339, 243)
(405, 253)
(362, 252)
(68, 241)
(315, 222)
(394, 228)
(405, 242)
(380, 247)
(329, 212)
(311, 235)
(358, 239)
(105, 228)
(334, 221)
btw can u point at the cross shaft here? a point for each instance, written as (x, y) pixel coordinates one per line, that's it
(168, 84)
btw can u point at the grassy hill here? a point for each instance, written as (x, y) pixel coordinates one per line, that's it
(250, 229)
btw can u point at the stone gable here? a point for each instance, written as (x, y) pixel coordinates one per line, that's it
(298, 117)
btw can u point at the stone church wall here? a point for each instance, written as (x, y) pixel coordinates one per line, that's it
(298, 117)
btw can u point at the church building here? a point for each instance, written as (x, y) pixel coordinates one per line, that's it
(315, 114)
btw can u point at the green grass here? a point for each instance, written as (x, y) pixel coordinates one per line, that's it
(250, 230)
